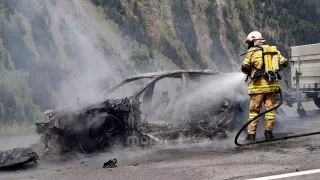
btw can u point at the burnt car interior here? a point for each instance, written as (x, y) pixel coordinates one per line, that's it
(160, 96)
(182, 102)
(162, 99)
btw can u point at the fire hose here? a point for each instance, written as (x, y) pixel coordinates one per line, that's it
(275, 139)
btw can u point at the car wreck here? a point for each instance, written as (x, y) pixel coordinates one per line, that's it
(141, 111)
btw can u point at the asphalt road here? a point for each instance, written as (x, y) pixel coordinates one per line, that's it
(208, 160)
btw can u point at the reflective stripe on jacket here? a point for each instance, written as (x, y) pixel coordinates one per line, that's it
(253, 61)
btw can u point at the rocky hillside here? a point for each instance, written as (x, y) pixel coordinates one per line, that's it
(52, 51)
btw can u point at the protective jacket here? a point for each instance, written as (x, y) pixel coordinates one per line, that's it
(254, 61)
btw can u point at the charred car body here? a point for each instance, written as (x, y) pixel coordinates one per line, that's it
(143, 109)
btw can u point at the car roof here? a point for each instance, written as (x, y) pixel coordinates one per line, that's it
(174, 72)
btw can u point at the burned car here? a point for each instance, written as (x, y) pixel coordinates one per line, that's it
(145, 109)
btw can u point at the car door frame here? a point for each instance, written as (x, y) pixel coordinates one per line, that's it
(149, 87)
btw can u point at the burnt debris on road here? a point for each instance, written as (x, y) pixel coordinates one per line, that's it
(17, 158)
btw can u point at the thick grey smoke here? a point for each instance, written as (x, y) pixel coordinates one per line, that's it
(87, 29)
(79, 44)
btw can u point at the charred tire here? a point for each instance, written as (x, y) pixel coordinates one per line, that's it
(105, 122)
(317, 102)
(109, 128)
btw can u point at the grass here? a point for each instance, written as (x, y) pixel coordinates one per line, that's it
(17, 128)
(247, 2)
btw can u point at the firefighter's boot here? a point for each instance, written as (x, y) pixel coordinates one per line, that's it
(268, 135)
(251, 137)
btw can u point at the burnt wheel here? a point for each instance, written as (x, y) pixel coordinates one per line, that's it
(108, 131)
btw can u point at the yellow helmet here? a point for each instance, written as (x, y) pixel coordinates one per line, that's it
(254, 35)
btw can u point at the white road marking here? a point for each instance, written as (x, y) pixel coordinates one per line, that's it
(288, 175)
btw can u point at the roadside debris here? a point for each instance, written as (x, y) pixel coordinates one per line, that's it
(17, 157)
(110, 164)
(135, 164)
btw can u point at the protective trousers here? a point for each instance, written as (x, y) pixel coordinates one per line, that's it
(254, 107)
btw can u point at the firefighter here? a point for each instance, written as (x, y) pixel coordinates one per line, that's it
(264, 84)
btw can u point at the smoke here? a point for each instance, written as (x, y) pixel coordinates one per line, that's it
(9, 141)
(69, 49)
(88, 31)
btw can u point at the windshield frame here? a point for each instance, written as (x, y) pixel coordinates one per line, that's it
(126, 81)
(154, 78)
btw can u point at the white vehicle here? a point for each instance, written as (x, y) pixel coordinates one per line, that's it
(305, 75)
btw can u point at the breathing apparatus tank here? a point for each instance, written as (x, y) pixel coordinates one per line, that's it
(271, 62)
